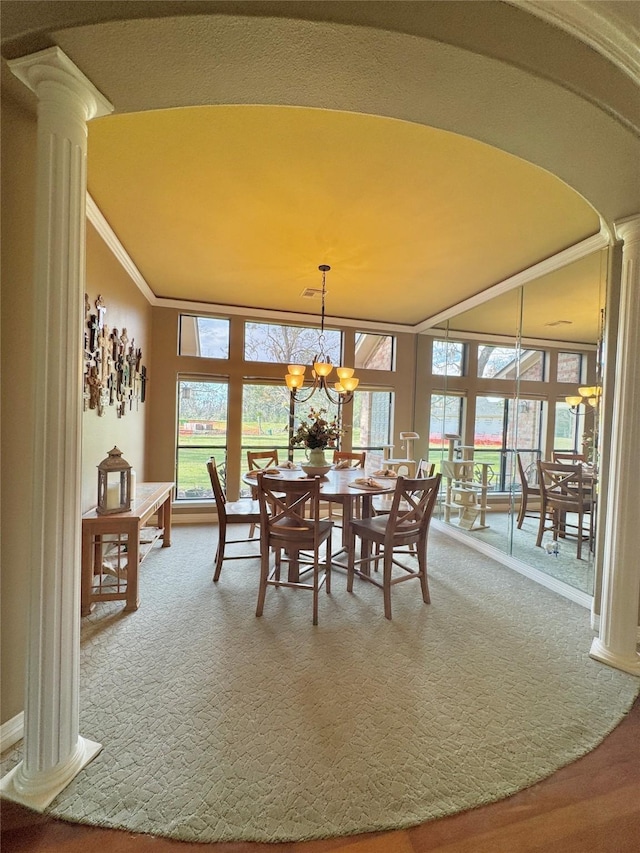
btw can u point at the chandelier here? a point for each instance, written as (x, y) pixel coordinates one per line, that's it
(589, 394)
(342, 391)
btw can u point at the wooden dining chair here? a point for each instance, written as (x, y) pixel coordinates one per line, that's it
(343, 459)
(292, 531)
(568, 457)
(425, 469)
(406, 525)
(257, 460)
(563, 491)
(528, 490)
(244, 511)
(382, 503)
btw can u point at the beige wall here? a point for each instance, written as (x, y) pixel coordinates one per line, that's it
(18, 205)
(125, 307)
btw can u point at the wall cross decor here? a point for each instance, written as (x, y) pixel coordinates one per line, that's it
(113, 371)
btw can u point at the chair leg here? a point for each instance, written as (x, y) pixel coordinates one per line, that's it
(523, 510)
(327, 566)
(316, 575)
(351, 557)
(422, 567)
(386, 581)
(543, 518)
(222, 538)
(264, 574)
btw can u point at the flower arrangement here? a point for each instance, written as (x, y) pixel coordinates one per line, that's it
(319, 433)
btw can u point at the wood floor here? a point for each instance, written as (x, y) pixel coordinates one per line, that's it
(591, 806)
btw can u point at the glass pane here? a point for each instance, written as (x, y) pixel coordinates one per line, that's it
(265, 422)
(202, 432)
(207, 337)
(574, 429)
(510, 363)
(524, 436)
(448, 358)
(372, 412)
(490, 438)
(272, 342)
(569, 367)
(374, 352)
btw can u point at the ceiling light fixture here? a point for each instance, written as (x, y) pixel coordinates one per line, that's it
(322, 367)
(588, 394)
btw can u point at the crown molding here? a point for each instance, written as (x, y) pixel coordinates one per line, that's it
(96, 218)
(615, 39)
(555, 262)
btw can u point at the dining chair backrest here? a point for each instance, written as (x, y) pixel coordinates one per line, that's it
(568, 457)
(355, 460)
(288, 508)
(525, 473)
(527, 490)
(425, 469)
(411, 509)
(563, 486)
(219, 495)
(257, 459)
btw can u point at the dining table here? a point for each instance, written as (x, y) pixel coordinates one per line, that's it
(338, 485)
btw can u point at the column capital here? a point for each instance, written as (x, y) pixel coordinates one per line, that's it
(628, 229)
(54, 66)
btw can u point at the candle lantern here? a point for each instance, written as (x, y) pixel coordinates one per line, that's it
(114, 484)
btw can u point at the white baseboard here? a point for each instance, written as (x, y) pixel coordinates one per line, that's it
(12, 731)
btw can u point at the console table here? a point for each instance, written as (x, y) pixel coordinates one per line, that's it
(113, 546)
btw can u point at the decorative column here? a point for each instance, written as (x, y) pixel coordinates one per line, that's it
(618, 638)
(54, 752)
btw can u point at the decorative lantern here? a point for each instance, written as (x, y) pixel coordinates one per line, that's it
(114, 484)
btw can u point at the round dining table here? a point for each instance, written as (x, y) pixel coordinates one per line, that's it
(338, 486)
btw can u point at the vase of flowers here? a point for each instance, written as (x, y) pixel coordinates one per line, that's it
(317, 433)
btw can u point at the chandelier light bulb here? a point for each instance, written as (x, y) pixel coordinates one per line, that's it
(344, 372)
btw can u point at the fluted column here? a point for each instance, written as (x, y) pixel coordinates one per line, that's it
(54, 752)
(616, 644)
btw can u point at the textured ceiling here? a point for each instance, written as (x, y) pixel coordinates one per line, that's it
(238, 206)
(301, 162)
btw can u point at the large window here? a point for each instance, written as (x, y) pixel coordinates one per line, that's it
(372, 413)
(448, 358)
(207, 337)
(570, 367)
(510, 363)
(202, 433)
(272, 342)
(445, 419)
(504, 425)
(375, 352)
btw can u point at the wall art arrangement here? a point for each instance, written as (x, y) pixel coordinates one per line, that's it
(113, 371)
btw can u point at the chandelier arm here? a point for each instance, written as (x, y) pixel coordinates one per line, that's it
(298, 399)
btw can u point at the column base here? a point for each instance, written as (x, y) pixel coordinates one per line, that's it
(38, 793)
(630, 664)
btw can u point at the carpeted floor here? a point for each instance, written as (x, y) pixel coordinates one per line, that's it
(220, 726)
(503, 534)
